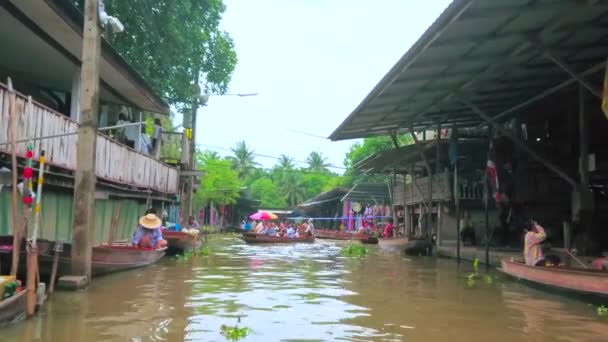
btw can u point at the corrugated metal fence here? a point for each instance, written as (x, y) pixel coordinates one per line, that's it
(56, 220)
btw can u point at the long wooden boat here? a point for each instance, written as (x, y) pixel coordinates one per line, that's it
(260, 238)
(335, 234)
(105, 258)
(179, 242)
(587, 282)
(12, 309)
(394, 243)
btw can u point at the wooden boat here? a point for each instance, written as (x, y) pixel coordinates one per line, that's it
(368, 240)
(12, 309)
(178, 242)
(335, 235)
(394, 243)
(105, 258)
(587, 282)
(259, 238)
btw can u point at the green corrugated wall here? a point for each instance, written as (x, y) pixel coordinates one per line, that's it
(56, 220)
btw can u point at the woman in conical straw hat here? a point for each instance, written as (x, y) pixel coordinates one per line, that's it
(148, 233)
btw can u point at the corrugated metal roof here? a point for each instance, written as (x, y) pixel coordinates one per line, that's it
(495, 54)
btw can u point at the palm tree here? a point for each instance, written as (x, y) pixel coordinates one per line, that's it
(206, 157)
(316, 162)
(243, 160)
(293, 188)
(285, 163)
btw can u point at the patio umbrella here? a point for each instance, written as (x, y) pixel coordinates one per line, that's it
(263, 215)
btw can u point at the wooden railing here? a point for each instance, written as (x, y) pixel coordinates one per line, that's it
(442, 190)
(115, 162)
(418, 190)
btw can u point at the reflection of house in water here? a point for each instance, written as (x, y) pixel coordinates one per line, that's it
(535, 80)
(41, 44)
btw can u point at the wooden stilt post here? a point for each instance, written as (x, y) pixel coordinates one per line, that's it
(12, 112)
(84, 185)
(486, 186)
(457, 203)
(437, 172)
(427, 222)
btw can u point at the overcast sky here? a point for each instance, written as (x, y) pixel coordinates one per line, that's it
(311, 62)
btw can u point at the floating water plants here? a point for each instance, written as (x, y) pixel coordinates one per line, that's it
(234, 333)
(203, 251)
(602, 310)
(354, 250)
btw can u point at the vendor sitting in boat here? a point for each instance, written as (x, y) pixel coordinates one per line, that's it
(535, 235)
(191, 223)
(148, 233)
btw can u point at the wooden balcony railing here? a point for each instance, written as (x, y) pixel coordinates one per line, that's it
(115, 162)
(442, 190)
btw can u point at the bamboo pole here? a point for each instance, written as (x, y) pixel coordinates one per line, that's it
(457, 202)
(32, 262)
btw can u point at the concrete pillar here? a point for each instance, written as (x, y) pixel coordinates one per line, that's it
(84, 184)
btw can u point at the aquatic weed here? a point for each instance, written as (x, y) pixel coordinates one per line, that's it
(203, 251)
(354, 250)
(234, 333)
(602, 311)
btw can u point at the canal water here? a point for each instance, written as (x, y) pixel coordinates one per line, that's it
(308, 292)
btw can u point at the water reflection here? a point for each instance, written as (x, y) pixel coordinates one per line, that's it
(308, 293)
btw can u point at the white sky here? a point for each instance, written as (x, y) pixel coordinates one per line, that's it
(311, 62)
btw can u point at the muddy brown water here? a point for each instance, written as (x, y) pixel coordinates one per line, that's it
(308, 292)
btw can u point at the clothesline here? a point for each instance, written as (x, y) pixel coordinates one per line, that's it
(338, 218)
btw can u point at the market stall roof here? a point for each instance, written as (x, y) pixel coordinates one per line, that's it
(498, 55)
(334, 194)
(41, 42)
(399, 159)
(372, 193)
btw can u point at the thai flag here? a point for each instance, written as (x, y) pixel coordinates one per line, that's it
(493, 179)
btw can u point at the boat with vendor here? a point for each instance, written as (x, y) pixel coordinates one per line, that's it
(548, 270)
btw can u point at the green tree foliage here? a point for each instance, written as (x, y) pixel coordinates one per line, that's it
(173, 43)
(316, 162)
(361, 150)
(220, 183)
(243, 159)
(268, 193)
(293, 188)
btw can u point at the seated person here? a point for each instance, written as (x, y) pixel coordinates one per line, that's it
(191, 223)
(272, 230)
(148, 233)
(535, 235)
(291, 233)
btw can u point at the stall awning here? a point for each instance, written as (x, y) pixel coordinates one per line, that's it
(368, 193)
(334, 194)
(497, 55)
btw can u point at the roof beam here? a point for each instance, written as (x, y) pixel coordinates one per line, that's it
(548, 92)
(560, 63)
(547, 163)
